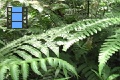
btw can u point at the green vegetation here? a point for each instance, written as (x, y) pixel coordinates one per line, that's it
(66, 40)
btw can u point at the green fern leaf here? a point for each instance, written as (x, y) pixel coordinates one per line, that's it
(45, 50)
(81, 29)
(32, 50)
(113, 76)
(111, 45)
(91, 77)
(13, 66)
(14, 71)
(34, 66)
(43, 64)
(24, 68)
(88, 29)
(1, 42)
(63, 78)
(86, 69)
(70, 68)
(53, 47)
(3, 70)
(14, 43)
(56, 62)
(23, 54)
(57, 72)
(81, 67)
(50, 61)
(34, 43)
(65, 72)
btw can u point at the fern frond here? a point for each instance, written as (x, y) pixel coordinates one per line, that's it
(81, 29)
(90, 28)
(108, 48)
(17, 66)
(87, 71)
(70, 34)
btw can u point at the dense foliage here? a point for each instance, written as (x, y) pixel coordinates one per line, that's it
(65, 40)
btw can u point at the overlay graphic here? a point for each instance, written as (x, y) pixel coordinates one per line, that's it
(16, 17)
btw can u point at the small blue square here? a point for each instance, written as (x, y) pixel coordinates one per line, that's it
(16, 9)
(16, 24)
(16, 16)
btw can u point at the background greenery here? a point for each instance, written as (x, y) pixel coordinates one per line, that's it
(66, 40)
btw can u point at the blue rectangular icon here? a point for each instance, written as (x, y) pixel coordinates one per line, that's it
(17, 17)
(16, 9)
(16, 24)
